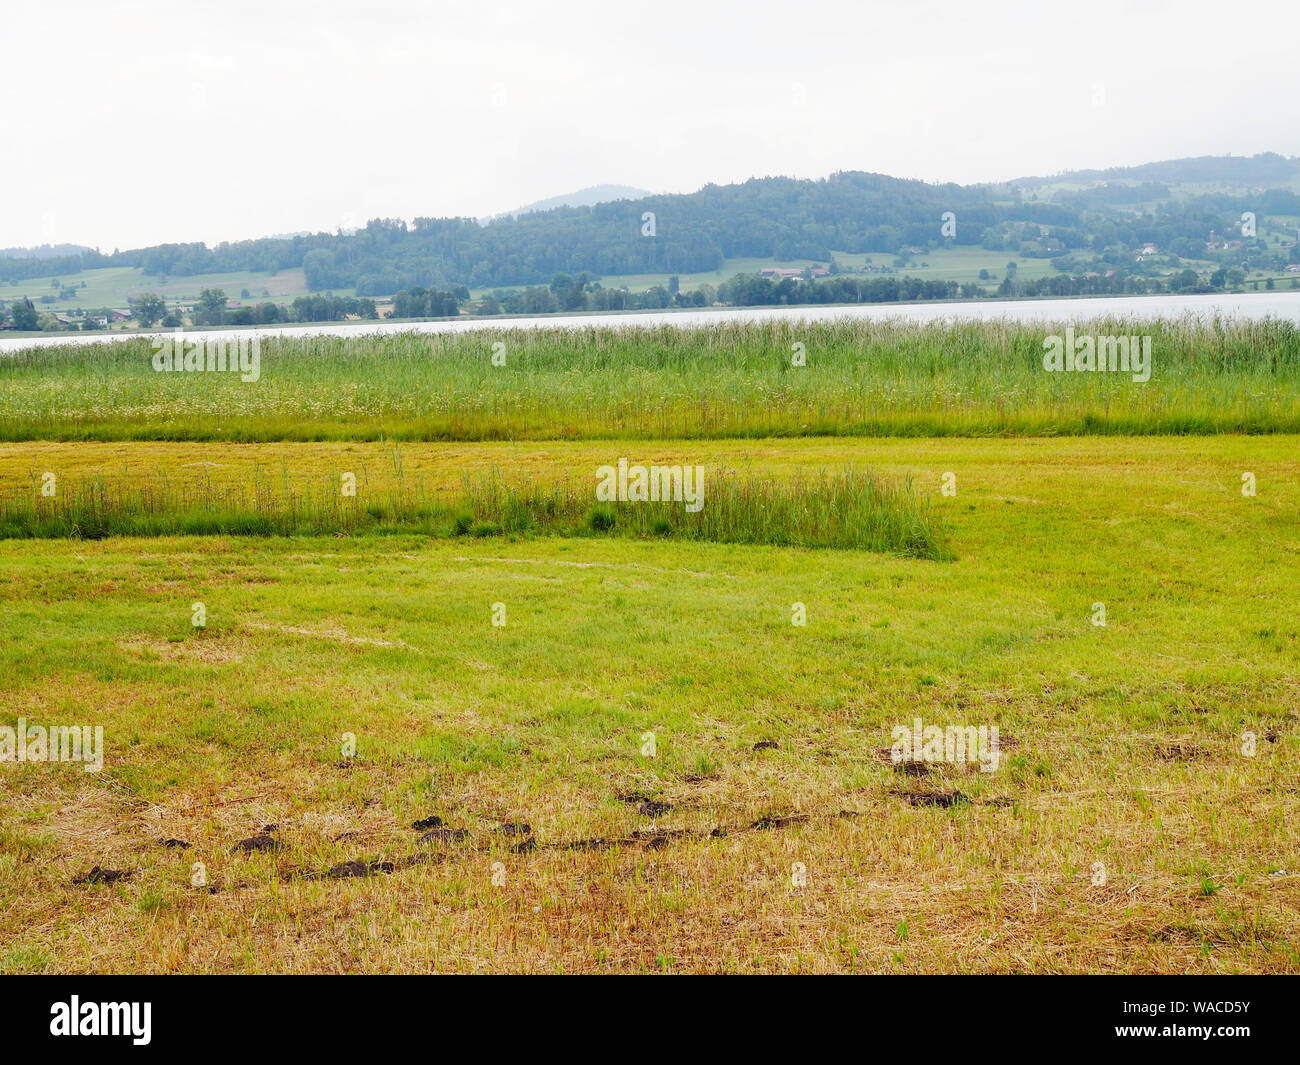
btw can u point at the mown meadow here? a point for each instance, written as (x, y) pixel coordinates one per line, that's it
(473, 719)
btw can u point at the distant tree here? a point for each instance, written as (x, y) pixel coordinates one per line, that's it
(211, 308)
(148, 308)
(536, 300)
(411, 303)
(325, 308)
(24, 314)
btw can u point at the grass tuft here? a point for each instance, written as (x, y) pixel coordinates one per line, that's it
(848, 508)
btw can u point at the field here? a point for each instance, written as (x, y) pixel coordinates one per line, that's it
(114, 286)
(960, 264)
(944, 264)
(643, 748)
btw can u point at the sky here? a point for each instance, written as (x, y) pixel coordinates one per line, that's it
(129, 124)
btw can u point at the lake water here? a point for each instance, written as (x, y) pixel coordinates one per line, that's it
(1250, 305)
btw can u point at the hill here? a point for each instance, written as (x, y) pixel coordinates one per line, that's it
(45, 251)
(1151, 221)
(1227, 172)
(587, 197)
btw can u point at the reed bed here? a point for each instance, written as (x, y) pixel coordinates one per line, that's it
(849, 508)
(732, 379)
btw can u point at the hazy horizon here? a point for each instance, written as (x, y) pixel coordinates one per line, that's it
(160, 125)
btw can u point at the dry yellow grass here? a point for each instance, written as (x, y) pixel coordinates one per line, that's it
(1121, 745)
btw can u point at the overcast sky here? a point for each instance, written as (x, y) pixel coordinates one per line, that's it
(129, 124)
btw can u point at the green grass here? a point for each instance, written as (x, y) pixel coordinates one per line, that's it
(1127, 749)
(732, 379)
(844, 509)
(944, 264)
(474, 636)
(113, 286)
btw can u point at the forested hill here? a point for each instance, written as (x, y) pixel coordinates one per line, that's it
(1265, 170)
(776, 218)
(582, 198)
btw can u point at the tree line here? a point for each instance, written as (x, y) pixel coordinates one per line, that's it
(768, 218)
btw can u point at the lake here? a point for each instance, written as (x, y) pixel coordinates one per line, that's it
(1248, 305)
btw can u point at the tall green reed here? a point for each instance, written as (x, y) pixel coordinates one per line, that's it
(730, 379)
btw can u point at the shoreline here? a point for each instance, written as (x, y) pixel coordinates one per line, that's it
(690, 316)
